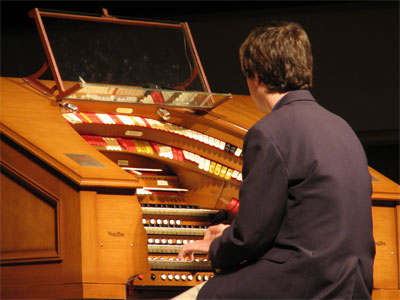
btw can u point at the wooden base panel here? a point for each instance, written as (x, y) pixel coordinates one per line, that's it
(64, 291)
(385, 294)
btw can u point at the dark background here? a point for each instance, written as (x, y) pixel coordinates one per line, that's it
(355, 47)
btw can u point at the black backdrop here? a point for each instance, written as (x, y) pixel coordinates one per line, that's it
(355, 46)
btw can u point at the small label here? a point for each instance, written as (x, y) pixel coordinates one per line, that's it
(84, 160)
(124, 110)
(380, 243)
(162, 182)
(121, 162)
(116, 234)
(133, 133)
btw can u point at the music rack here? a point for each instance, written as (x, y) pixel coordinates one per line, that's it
(116, 81)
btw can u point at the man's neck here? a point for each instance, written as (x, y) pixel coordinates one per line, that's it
(273, 98)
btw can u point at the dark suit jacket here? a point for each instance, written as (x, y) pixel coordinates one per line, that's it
(304, 227)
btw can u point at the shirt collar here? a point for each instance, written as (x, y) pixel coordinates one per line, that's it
(297, 95)
(277, 103)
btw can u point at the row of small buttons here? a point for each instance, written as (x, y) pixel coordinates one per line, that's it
(161, 222)
(176, 259)
(169, 206)
(168, 241)
(176, 226)
(178, 277)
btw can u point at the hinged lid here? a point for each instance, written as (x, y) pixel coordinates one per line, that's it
(117, 59)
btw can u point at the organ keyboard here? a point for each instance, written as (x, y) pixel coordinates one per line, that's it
(159, 263)
(169, 224)
(184, 230)
(177, 210)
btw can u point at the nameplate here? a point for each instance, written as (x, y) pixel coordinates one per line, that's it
(84, 160)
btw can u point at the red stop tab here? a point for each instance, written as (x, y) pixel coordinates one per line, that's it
(233, 205)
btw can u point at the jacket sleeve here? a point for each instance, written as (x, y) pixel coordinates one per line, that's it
(263, 197)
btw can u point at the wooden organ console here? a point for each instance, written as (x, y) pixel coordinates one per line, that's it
(171, 189)
(101, 185)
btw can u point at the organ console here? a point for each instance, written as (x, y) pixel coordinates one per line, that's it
(102, 183)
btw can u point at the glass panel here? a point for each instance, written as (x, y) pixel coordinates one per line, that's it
(112, 53)
(138, 95)
(135, 61)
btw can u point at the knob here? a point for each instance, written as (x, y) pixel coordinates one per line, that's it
(164, 114)
(68, 107)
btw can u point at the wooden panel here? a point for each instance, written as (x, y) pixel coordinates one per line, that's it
(29, 220)
(104, 291)
(384, 188)
(230, 191)
(386, 266)
(386, 294)
(114, 241)
(29, 290)
(135, 161)
(398, 244)
(240, 110)
(47, 212)
(35, 122)
(203, 190)
(26, 290)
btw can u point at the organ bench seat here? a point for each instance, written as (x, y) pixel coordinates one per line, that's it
(76, 225)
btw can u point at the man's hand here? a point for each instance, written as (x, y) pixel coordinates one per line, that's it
(188, 250)
(203, 245)
(215, 231)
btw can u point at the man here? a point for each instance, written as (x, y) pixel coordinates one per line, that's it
(304, 227)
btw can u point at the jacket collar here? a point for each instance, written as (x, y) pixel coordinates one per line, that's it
(298, 95)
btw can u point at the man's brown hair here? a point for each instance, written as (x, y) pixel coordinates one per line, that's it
(280, 54)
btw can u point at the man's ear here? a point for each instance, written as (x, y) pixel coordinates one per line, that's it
(257, 79)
